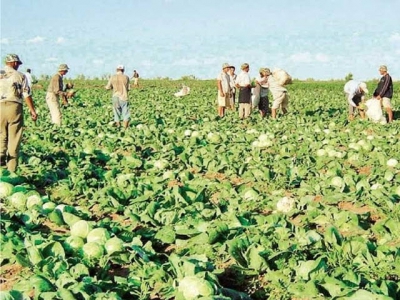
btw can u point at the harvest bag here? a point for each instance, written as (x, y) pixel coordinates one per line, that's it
(374, 111)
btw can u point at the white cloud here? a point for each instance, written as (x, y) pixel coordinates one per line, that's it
(147, 63)
(51, 59)
(98, 61)
(4, 41)
(322, 57)
(60, 40)
(395, 37)
(186, 62)
(37, 39)
(301, 57)
(307, 57)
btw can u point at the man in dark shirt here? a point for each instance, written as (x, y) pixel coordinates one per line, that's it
(385, 91)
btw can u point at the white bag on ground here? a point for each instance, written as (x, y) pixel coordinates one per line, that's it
(255, 97)
(374, 111)
(281, 76)
(183, 92)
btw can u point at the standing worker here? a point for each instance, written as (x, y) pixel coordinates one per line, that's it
(119, 83)
(243, 83)
(224, 90)
(385, 91)
(135, 78)
(55, 91)
(13, 89)
(29, 78)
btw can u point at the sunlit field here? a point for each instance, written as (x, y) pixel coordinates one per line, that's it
(186, 205)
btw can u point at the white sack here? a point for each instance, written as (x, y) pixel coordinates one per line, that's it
(183, 92)
(255, 97)
(374, 111)
(281, 76)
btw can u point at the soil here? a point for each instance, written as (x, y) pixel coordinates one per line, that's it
(10, 275)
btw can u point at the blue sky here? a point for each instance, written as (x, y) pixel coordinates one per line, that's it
(173, 38)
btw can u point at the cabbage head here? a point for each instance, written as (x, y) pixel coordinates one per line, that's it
(33, 200)
(92, 251)
(81, 229)
(114, 245)
(73, 244)
(193, 287)
(98, 235)
(18, 201)
(6, 189)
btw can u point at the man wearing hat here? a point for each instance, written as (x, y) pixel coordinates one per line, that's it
(224, 89)
(355, 92)
(119, 83)
(385, 91)
(13, 89)
(55, 91)
(243, 83)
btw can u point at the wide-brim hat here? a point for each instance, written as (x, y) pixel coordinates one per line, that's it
(63, 67)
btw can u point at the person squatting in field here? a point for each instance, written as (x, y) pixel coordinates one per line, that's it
(385, 91)
(243, 83)
(55, 91)
(13, 89)
(355, 92)
(224, 89)
(119, 83)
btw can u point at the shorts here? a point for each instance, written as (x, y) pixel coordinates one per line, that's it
(120, 109)
(223, 101)
(386, 102)
(281, 101)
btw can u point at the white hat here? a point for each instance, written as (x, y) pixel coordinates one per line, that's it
(120, 67)
(363, 86)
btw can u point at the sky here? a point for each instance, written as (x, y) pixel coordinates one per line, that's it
(315, 39)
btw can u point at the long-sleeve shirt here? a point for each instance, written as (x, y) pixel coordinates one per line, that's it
(352, 88)
(56, 85)
(13, 86)
(119, 83)
(385, 87)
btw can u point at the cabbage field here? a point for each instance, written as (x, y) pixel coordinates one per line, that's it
(184, 205)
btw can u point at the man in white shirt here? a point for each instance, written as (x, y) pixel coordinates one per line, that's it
(29, 79)
(243, 83)
(355, 91)
(224, 89)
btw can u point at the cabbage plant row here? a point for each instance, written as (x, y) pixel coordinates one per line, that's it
(185, 205)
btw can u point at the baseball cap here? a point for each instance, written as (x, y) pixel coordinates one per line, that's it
(363, 86)
(226, 65)
(63, 67)
(120, 67)
(12, 57)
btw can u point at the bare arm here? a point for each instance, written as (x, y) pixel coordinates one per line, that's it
(31, 107)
